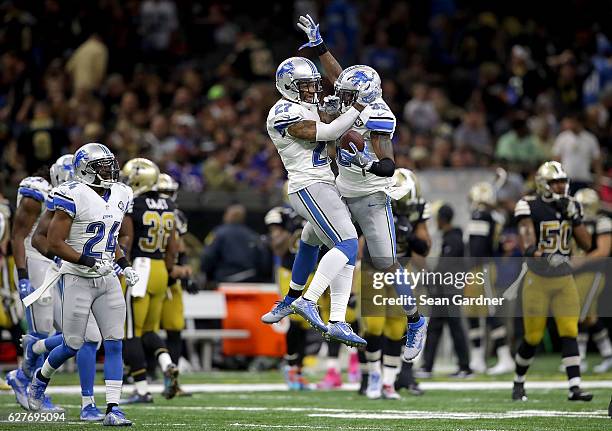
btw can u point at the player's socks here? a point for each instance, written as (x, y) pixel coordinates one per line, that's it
(56, 358)
(153, 343)
(174, 342)
(303, 265)
(86, 363)
(523, 359)
(164, 360)
(340, 290)
(330, 266)
(403, 290)
(391, 360)
(47, 344)
(373, 353)
(571, 361)
(113, 372)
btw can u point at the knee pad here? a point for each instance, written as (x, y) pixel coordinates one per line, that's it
(349, 248)
(73, 341)
(374, 326)
(533, 338)
(394, 328)
(567, 326)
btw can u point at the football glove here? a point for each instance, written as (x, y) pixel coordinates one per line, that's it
(359, 158)
(556, 260)
(330, 105)
(25, 287)
(571, 210)
(131, 277)
(103, 267)
(308, 26)
(189, 286)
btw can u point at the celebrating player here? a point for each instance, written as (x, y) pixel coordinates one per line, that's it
(547, 222)
(300, 137)
(83, 233)
(149, 234)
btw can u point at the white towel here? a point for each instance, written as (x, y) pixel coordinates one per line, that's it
(142, 266)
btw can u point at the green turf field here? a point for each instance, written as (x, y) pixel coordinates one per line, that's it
(547, 409)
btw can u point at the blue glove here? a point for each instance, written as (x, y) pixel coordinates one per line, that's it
(25, 287)
(308, 26)
(358, 158)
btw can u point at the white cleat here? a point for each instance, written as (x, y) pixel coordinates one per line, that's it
(503, 366)
(374, 390)
(389, 393)
(415, 339)
(605, 366)
(478, 364)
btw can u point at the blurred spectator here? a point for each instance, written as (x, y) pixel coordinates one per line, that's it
(518, 147)
(218, 171)
(380, 55)
(87, 66)
(158, 21)
(420, 113)
(578, 150)
(233, 252)
(473, 134)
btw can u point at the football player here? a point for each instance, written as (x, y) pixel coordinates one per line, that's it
(148, 233)
(83, 234)
(61, 171)
(364, 181)
(590, 279)
(301, 139)
(411, 213)
(172, 316)
(31, 269)
(6, 297)
(483, 236)
(547, 222)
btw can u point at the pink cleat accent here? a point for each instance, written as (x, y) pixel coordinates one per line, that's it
(354, 373)
(332, 380)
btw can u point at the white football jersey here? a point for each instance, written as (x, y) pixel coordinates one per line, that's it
(95, 221)
(38, 189)
(376, 117)
(306, 162)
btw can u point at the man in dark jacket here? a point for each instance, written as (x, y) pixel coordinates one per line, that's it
(233, 251)
(452, 247)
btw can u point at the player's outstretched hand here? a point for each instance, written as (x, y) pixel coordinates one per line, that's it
(308, 26)
(131, 277)
(103, 267)
(330, 105)
(359, 158)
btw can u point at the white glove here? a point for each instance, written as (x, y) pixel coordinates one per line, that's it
(330, 105)
(365, 97)
(103, 267)
(131, 277)
(308, 26)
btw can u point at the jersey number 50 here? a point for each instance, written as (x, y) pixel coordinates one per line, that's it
(555, 236)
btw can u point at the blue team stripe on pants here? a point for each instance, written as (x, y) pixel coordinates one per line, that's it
(391, 225)
(317, 215)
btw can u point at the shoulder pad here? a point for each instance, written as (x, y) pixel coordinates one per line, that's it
(285, 114)
(64, 198)
(603, 225)
(35, 188)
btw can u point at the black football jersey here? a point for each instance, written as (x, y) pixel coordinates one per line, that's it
(154, 220)
(602, 225)
(406, 223)
(482, 230)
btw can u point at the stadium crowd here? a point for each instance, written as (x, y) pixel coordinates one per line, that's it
(188, 84)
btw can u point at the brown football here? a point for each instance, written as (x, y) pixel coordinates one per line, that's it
(354, 137)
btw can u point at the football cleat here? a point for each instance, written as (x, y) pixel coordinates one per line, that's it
(90, 413)
(295, 380)
(405, 379)
(17, 380)
(342, 332)
(415, 339)
(29, 357)
(579, 395)
(478, 363)
(518, 392)
(605, 366)
(374, 389)
(389, 393)
(116, 418)
(308, 310)
(171, 385)
(136, 398)
(332, 380)
(281, 309)
(36, 393)
(462, 374)
(49, 407)
(505, 363)
(182, 393)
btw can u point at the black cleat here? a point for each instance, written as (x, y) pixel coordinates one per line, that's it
(364, 384)
(579, 395)
(405, 379)
(171, 386)
(518, 392)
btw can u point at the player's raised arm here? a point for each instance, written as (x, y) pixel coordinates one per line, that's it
(330, 64)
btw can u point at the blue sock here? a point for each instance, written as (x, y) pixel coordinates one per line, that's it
(60, 354)
(86, 362)
(304, 263)
(53, 341)
(404, 291)
(113, 360)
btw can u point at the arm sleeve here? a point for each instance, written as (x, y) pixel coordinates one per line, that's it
(383, 168)
(335, 129)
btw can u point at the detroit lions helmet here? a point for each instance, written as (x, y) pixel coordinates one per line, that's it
(294, 77)
(354, 80)
(548, 173)
(95, 165)
(140, 174)
(167, 186)
(62, 170)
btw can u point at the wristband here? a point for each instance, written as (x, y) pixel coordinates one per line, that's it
(320, 49)
(49, 255)
(530, 251)
(22, 273)
(123, 262)
(86, 261)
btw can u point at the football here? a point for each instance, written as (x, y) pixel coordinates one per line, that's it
(354, 137)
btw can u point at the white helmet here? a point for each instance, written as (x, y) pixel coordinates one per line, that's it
(293, 72)
(95, 165)
(355, 80)
(62, 170)
(482, 193)
(547, 173)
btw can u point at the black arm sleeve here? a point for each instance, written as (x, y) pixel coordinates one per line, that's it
(383, 168)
